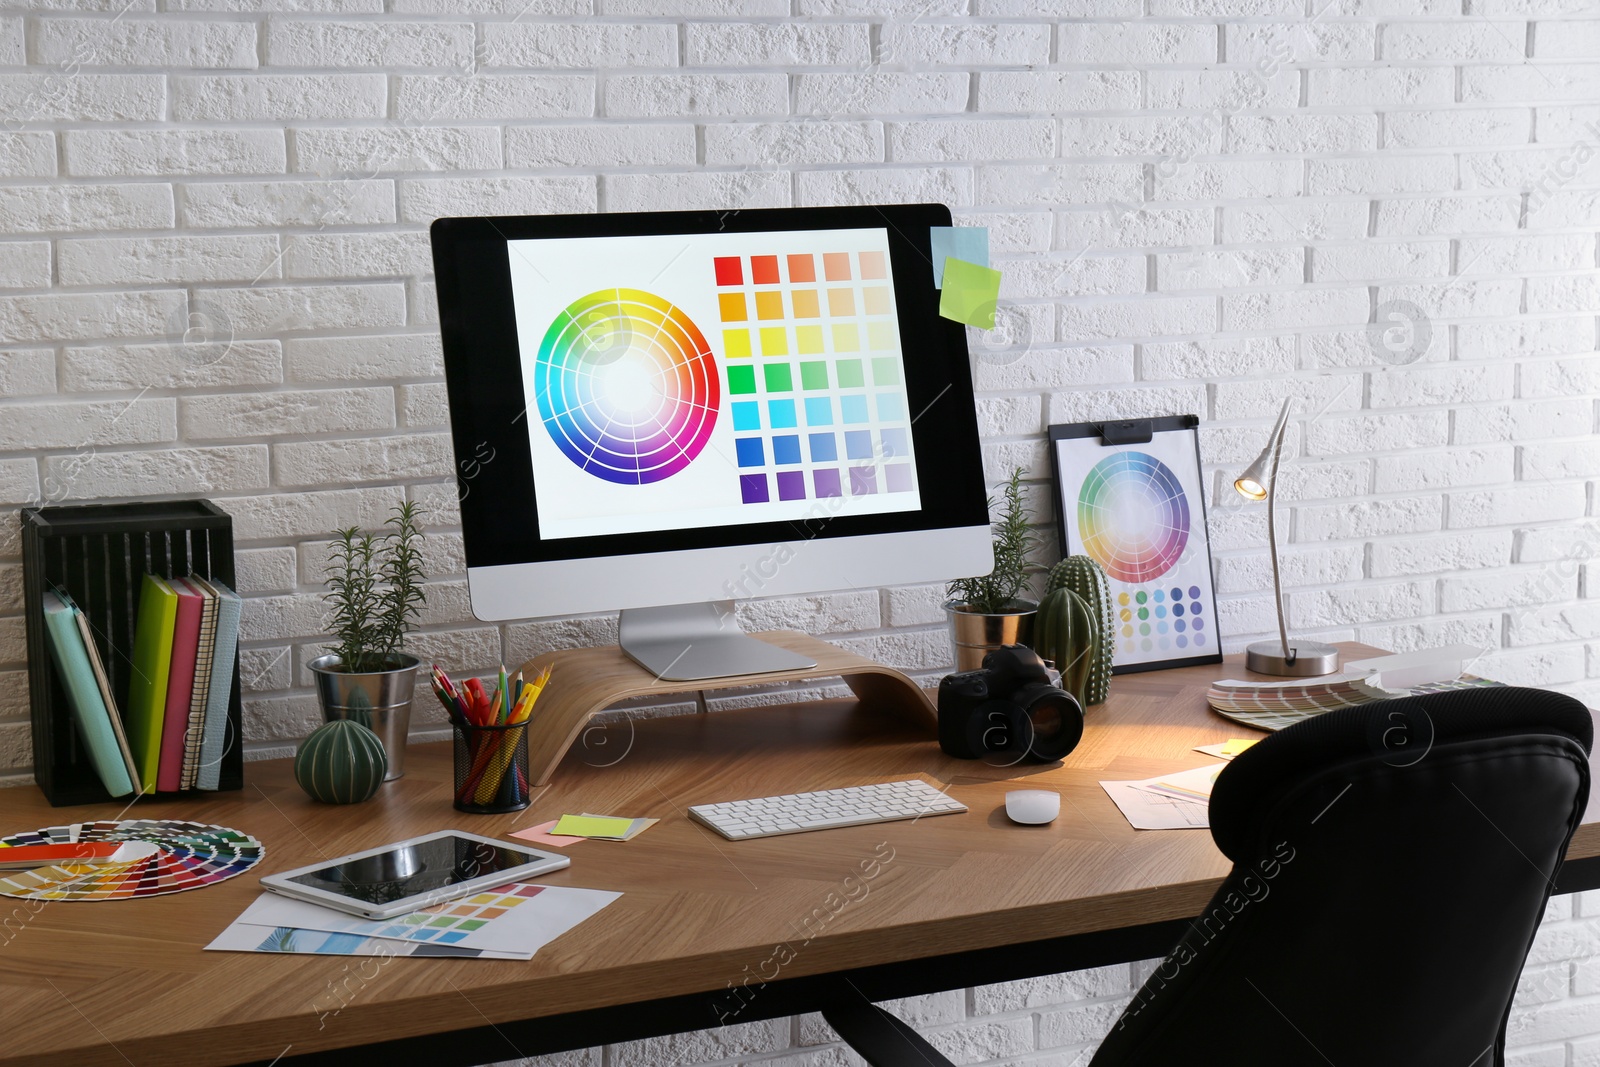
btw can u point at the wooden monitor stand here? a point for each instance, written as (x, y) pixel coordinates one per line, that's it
(586, 681)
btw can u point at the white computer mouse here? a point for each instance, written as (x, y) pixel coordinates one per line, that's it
(1032, 806)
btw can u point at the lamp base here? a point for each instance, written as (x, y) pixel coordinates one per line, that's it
(1306, 659)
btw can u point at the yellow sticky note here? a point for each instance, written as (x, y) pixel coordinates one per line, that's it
(970, 293)
(1235, 745)
(590, 826)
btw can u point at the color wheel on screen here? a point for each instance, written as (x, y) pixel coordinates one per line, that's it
(627, 386)
(1133, 517)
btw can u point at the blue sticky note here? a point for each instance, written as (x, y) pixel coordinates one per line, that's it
(969, 243)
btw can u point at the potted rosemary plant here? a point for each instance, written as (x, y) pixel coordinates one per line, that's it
(989, 611)
(375, 592)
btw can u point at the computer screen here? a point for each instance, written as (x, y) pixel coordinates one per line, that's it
(675, 407)
(710, 380)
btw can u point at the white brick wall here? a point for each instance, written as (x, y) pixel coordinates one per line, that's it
(214, 278)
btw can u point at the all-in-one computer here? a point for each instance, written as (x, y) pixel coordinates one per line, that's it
(663, 413)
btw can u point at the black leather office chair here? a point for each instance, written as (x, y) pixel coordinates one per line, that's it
(1391, 863)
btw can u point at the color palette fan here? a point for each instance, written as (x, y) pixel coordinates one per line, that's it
(189, 855)
(1134, 516)
(627, 386)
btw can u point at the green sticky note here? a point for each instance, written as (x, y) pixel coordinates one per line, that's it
(970, 293)
(591, 826)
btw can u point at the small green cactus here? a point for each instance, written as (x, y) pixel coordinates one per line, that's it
(1082, 576)
(1065, 630)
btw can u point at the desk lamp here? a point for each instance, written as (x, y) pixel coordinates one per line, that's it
(1303, 658)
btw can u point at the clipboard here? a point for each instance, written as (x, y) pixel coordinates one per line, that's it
(1130, 495)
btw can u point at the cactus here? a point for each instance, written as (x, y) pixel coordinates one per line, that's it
(1065, 630)
(1083, 576)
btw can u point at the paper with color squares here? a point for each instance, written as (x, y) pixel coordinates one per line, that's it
(510, 922)
(967, 243)
(970, 294)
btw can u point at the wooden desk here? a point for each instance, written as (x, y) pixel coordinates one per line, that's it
(964, 900)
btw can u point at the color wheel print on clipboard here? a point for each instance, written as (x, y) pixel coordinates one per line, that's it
(1129, 495)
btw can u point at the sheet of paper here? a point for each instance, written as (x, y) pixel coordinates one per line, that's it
(1145, 810)
(1194, 784)
(514, 920)
(541, 835)
(591, 826)
(971, 293)
(969, 243)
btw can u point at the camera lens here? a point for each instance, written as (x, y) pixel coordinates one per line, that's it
(1055, 721)
(1046, 719)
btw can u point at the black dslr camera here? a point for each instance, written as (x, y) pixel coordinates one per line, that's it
(1008, 706)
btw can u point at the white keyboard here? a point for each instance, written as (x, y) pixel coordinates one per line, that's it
(798, 812)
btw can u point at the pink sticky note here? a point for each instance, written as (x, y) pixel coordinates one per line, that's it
(540, 835)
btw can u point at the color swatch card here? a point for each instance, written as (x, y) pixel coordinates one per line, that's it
(513, 921)
(700, 380)
(188, 856)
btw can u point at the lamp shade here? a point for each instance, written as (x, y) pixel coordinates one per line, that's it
(1252, 484)
(1256, 481)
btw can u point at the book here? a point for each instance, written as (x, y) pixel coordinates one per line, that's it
(83, 695)
(147, 689)
(214, 740)
(180, 685)
(201, 689)
(103, 680)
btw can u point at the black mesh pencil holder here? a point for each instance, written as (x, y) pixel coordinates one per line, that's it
(491, 768)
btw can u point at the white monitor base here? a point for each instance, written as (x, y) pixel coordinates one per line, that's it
(694, 642)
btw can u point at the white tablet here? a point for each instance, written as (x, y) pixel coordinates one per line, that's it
(417, 873)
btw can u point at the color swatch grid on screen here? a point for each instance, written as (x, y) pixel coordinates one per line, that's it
(816, 388)
(1133, 516)
(627, 386)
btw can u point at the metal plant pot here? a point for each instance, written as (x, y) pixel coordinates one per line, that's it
(975, 634)
(378, 700)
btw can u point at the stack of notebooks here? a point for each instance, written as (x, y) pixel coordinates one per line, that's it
(172, 733)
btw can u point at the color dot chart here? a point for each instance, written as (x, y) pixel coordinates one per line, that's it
(1136, 511)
